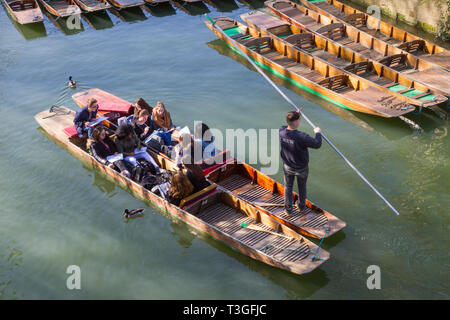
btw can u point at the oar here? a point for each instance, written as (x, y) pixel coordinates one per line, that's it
(248, 225)
(303, 115)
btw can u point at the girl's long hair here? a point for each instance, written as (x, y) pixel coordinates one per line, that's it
(180, 186)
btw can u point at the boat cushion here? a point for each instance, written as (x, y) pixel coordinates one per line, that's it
(215, 161)
(195, 197)
(71, 131)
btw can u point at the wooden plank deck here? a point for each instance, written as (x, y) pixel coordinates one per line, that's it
(229, 221)
(243, 188)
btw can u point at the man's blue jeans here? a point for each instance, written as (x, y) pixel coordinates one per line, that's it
(82, 130)
(289, 176)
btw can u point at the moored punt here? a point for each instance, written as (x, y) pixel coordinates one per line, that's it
(410, 66)
(61, 8)
(93, 5)
(303, 70)
(382, 30)
(251, 186)
(122, 4)
(24, 11)
(382, 77)
(216, 212)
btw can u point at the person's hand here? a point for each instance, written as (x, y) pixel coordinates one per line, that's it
(146, 130)
(86, 123)
(317, 130)
(111, 165)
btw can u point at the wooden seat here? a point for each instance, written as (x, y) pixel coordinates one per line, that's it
(337, 83)
(303, 41)
(195, 197)
(259, 44)
(360, 67)
(358, 20)
(394, 61)
(413, 46)
(334, 31)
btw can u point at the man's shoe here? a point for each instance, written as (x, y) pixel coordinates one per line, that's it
(288, 210)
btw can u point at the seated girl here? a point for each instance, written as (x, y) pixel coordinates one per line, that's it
(103, 147)
(180, 188)
(139, 105)
(194, 173)
(129, 145)
(161, 117)
(141, 125)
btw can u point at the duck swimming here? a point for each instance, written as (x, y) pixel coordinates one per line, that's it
(133, 213)
(72, 84)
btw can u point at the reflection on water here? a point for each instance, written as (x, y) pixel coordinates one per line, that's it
(191, 8)
(69, 25)
(160, 9)
(222, 5)
(129, 14)
(253, 4)
(98, 20)
(31, 31)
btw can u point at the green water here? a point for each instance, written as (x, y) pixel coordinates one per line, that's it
(57, 212)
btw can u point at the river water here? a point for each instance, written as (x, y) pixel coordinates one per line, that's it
(56, 212)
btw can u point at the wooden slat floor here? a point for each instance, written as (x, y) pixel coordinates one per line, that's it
(229, 221)
(244, 189)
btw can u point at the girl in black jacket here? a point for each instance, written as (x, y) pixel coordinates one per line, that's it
(104, 147)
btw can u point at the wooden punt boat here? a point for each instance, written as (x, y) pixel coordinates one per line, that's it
(122, 4)
(61, 8)
(219, 213)
(368, 46)
(93, 5)
(382, 30)
(326, 81)
(382, 77)
(250, 185)
(24, 11)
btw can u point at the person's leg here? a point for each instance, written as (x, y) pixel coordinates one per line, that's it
(122, 166)
(131, 160)
(302, 177)
(149, 158)
(288, 182)
(90, 131)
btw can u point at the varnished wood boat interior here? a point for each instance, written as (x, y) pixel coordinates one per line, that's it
(93, 5)
(257, 189)
(228, 214)
(315, 70)
(383, 77)
(61, 8)
(22, 5)
(364, 44)
(384, 31)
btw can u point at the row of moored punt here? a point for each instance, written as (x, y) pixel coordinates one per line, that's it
(337, 52)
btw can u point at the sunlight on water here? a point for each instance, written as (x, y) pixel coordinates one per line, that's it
(57, 211)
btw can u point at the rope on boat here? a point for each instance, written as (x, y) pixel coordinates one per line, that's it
(303, 115)
(56, 113)
(318, 247)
